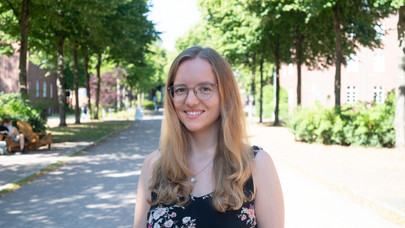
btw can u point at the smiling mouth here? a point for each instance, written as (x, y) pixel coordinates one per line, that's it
(194, 113)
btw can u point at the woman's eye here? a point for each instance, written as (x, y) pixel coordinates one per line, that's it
(179, 90)
(205, 89)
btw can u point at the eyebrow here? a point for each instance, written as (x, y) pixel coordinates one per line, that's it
(206, 82)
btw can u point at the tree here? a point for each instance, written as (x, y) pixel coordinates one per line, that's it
(237, 36)
(400, 94)
(275, 36)
(128, 39)
(353, 24)
(22, 11)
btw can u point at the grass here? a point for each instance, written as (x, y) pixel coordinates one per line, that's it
(86, 131)
(125, 114)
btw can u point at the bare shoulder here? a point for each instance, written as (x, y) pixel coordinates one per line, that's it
(269, 200)
(264, 171)
(143, 192)
(150, 160)
(263, 161)
(152, 157)
(148, 166)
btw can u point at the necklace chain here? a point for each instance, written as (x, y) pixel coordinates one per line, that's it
(193, 180)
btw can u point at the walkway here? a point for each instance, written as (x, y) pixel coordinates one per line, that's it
(369, 176)
(95, 189)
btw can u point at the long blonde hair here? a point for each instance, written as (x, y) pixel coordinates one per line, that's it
(233, 158)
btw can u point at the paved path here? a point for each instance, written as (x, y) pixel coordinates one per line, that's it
(16, 166)
(368, 176)
(311, 204)
(98, 188)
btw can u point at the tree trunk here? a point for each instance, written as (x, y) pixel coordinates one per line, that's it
(338, 51)
(400, 93)
(261, 91)
(298, 49)
(277, 84)
(87, 78)
(118, 99)
(60, 83)
(24, 30)
(252, 88)
(76, 83)
(98, 86)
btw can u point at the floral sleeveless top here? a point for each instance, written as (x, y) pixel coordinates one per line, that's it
(200, 213)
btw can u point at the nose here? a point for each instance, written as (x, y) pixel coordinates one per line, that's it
(192, 99)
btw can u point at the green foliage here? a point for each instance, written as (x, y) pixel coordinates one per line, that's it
(358, 124)
(268, 102)
(148, 105)
(393, 3)
(152, 73)
(13, 107)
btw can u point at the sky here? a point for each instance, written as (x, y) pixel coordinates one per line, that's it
(173, 18)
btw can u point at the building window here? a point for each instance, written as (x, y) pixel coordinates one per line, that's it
(353, 63)
(378, 94)
(51, 90)
(37, 88)
(351, 95)
(380, 31)
(379, 63)
(44, 90)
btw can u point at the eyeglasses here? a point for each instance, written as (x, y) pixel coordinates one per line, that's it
(202, 90)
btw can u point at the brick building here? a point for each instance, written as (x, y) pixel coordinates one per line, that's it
(368, 76)
(42, 89)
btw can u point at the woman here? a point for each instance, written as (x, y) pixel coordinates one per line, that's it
(205, 174)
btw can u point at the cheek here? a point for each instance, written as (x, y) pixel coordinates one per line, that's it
(217, 106)
(177, 107)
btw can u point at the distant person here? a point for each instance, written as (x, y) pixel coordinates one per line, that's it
(205, 173)
(4, 129)
(7, 129)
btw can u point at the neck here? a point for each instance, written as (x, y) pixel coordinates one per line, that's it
(204, 144)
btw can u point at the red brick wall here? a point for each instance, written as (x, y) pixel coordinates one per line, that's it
(35, 76)
(42, 89)
(9, 73)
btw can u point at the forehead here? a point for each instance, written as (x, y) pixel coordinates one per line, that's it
(194, 71)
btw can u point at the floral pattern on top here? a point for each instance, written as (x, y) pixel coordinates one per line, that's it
(248, 215)
(161, 217)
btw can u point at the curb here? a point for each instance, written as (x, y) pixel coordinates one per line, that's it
(386, 211)
(14, 185)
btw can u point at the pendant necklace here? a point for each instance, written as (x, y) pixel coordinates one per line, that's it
(193, 180)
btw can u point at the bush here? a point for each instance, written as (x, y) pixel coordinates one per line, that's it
(13, 107)
(149, 105)
(359, 124)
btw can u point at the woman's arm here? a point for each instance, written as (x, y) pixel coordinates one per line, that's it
(269, 202)
(143, 194)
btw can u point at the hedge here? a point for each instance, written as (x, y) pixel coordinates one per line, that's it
(361, 124)
(15, 108)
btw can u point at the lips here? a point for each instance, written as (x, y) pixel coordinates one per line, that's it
(193, 113)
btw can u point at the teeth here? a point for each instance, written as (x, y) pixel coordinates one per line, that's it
(194, 113)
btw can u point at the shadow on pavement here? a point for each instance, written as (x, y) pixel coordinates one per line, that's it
(96, 189)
